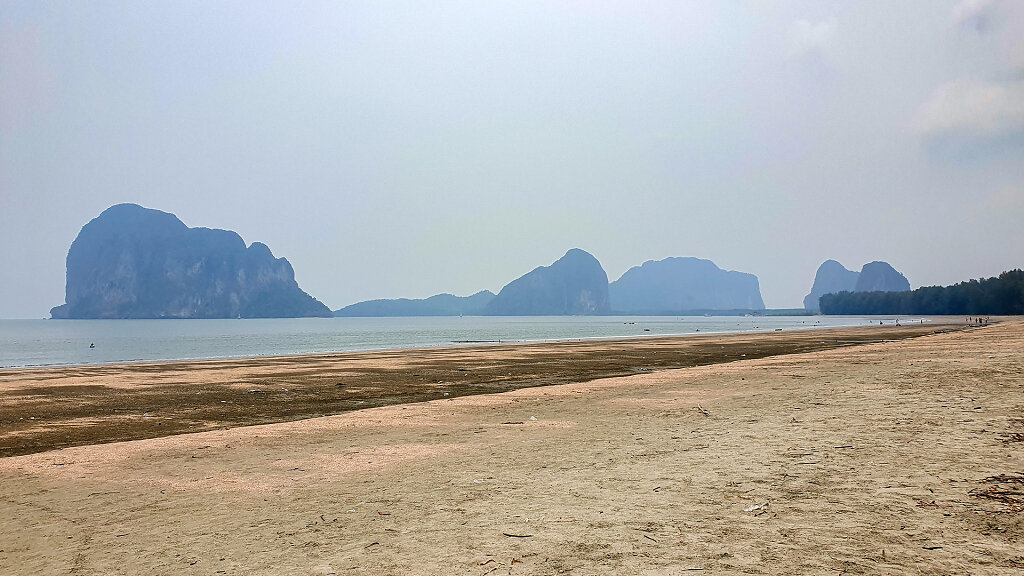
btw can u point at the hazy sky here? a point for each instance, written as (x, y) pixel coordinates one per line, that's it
(409, 148)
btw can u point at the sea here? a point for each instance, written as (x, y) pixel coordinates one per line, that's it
(25, 343)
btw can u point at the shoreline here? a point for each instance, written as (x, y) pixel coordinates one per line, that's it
(886, 458)
(457, 344)
(43, 409)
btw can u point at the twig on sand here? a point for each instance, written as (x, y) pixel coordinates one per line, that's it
(702, 410)
(518, 535)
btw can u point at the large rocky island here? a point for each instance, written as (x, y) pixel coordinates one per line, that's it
(134, 262)
(676, 285)
(574, 284)
(881, 277)
(833, 278)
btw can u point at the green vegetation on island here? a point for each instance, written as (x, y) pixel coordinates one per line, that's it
(1002, 295)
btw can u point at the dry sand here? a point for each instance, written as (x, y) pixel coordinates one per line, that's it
(889, 458)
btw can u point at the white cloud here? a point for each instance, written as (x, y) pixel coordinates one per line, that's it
(973, 109)
(806, 37)
(975, 14)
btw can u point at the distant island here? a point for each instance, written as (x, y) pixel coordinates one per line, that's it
(881, 277)
(574, 284)
(135, 262)
(832, 277)
(437, 305)
(1002, 295)
(678, 285)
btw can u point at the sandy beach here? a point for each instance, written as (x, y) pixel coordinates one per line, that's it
(49, 408)
(797, 453)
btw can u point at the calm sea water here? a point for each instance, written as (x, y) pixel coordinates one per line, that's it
(67, 342)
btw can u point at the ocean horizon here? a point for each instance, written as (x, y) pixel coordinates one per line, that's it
(41, 343)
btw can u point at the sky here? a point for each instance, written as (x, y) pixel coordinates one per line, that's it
(403, 149)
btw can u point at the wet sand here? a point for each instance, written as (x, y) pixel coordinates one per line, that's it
(884, 458)
(50, 408)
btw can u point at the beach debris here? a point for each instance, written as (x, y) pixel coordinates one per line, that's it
(701, 409)
(510, 535)
(533, 418)
(1006, 489)
(755, 507)
(520, 422)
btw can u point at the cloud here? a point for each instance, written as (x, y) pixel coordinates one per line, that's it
(977, 15)
(806, 37)
(973, 109)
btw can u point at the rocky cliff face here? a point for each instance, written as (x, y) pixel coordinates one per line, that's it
(831, 278)
(438, 305)
(133, 262)
(574, 284)
(881, 277)
(675, 285)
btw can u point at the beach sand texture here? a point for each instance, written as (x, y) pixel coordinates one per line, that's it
(888, 458)
(49, 408)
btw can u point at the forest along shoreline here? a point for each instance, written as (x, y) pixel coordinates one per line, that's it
(45, 409)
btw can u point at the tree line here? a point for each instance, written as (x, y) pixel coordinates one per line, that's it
(1002, 295)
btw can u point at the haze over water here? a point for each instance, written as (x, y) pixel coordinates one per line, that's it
(44, 343)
